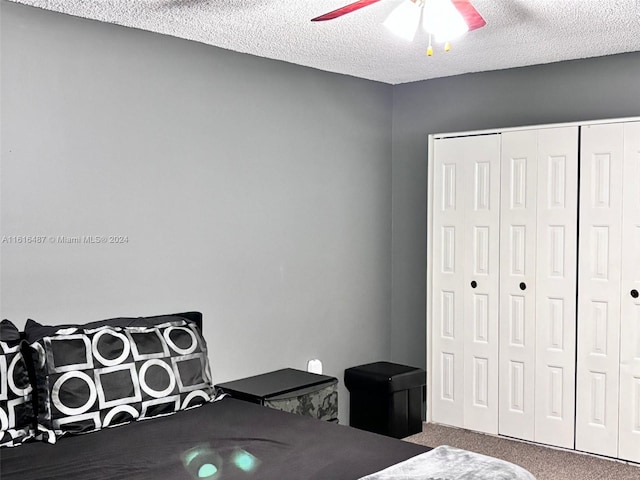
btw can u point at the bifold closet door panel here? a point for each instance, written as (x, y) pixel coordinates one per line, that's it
(482, 276)
(449, 199)
(599, 281)
(556, 267)
(629, 418)
(465, 282)
(538, 245)
(517, 283)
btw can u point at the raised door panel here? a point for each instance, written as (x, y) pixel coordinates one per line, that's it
(517, 283)
(599, 278)
(629, 420)
(557, 242)
(482, 223)
(449, 200)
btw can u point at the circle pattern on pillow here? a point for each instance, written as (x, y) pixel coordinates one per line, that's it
(78, 406)
(108, 344)
(142, 377)
(183, 351)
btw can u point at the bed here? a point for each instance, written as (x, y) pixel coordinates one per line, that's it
(284, 446)
(132, 398)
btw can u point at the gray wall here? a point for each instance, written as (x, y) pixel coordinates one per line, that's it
(255, 191)
(598, 88)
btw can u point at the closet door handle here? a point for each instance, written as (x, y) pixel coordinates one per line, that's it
(634, 293)
(474, 284)
(523, 286)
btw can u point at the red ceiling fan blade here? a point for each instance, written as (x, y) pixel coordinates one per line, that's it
(352, 7)
(471, 16)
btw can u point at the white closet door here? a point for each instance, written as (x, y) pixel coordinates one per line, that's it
(465, 184)
(481, 284)
(449, 199)
(517, 283)
(599, 289)
(629, 421)
(556, 258)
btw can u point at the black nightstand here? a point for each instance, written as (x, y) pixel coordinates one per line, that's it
(289, 390)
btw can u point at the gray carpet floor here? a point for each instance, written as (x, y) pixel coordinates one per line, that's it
(543, 462)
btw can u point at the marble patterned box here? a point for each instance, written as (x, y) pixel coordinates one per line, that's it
(289, 390)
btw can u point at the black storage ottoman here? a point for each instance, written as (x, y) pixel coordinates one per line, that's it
(386, 398)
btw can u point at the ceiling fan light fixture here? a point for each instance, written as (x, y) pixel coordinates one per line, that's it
(443, 20)
(403, 20)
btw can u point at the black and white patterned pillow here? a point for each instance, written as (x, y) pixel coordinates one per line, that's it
(95, 378)
(16, 413)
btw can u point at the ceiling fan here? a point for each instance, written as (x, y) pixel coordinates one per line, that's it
(445, 19)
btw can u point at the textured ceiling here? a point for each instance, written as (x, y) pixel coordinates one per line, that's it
(518, 32)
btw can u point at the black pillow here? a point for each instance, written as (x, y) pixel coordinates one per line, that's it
(92, 377)
(9, 333)
(16, 413)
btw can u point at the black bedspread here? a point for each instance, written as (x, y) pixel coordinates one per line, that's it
(284, 446)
